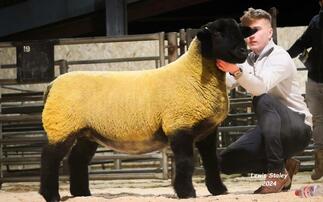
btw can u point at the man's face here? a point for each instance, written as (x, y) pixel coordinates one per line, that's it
(260, 39)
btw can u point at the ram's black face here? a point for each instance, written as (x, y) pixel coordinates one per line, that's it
(224, 39)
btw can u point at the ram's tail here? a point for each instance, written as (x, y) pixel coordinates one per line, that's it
(59, 117)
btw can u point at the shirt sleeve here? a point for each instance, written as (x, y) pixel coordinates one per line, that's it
(277, 68)
(231, 82)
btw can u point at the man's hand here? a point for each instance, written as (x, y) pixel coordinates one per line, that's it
(226, 67)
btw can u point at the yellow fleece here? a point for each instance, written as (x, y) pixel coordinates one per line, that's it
(133, 105)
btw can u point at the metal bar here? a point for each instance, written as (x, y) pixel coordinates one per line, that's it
(26, 140)
(240, 99)
(63, 64)
(252, 114)
(15, 118)
(24, 149)
(114, 60)
(122, 38)
(7, 66)
(86, 40)
(127, 170)
(105, 176)
(235, 128)
(21, 161)
(24, 133)
(22, 109)
(247, 103)
(8, 81)
(126, 156)
(14, 127)
(22, 97)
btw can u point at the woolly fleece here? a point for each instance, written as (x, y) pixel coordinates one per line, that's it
(133, 105)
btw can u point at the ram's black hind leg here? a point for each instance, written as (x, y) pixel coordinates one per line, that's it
(182, 147)
(52, 155)
(207, 149)
(78, 160)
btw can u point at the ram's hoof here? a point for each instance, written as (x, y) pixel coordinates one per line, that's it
(50, 197)
(218, 190)
(190, 194)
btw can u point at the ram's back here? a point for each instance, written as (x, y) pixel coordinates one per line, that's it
(119, 105)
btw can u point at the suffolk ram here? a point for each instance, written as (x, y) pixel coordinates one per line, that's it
(136, 112)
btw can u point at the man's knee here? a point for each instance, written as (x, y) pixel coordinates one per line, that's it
(264, 102)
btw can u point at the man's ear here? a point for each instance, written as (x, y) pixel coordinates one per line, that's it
(247, 31)
(271, 33)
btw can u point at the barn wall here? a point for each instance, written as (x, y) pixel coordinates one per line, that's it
(286, 36)
(89, 52)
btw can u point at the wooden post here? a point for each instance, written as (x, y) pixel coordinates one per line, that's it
(182, 42)
(117, 164)
(116, 17)
(1, 138)
(63, 67)
(190, 34)
(273, 12)
(165, 164)
(162, 48)
(172, 46)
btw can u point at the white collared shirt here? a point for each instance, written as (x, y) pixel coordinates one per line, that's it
(272, 72)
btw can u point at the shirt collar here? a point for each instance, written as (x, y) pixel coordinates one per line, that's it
(265, 52)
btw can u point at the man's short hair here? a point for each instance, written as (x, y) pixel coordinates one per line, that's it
(254, 14)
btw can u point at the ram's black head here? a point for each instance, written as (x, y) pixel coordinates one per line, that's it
(224, 39)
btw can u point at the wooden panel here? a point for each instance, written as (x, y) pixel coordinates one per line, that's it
(35, 61)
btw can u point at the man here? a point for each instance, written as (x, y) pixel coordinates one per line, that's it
(283, 120)
(313, 38)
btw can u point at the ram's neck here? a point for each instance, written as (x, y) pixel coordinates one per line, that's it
(198, 67)
(193, 58)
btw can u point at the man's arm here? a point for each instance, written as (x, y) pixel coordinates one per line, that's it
(302, 43)
(250, 82)
(278, 67)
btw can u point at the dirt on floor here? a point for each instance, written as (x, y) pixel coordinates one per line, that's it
(154, 190)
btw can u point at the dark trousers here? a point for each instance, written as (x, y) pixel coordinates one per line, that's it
(280, 133)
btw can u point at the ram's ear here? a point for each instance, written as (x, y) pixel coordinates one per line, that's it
(247, 31)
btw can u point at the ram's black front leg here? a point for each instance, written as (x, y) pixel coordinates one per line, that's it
(182, 147)
(207, 148)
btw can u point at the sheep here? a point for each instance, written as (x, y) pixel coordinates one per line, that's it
(180, 104)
